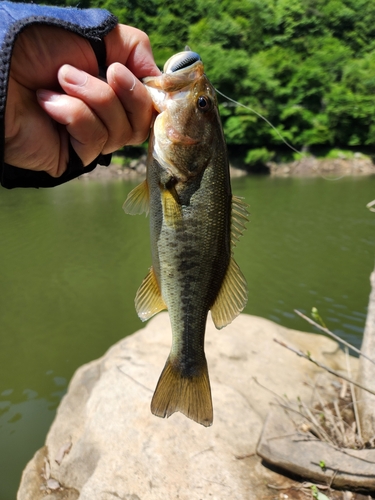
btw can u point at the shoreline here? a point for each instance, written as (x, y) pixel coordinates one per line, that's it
(309, 166)
(312, 166)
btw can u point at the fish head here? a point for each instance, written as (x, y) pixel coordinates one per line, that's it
(188, 124)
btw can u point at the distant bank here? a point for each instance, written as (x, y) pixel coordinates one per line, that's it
(307, 166)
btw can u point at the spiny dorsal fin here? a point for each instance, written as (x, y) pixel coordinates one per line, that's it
(171, 208)
(189, 395)
(239, 218)
(138, 200)
(148, 300)
(232, 297)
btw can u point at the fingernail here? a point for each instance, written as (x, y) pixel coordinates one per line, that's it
(124, 79)
(134, 82)
(73, 75)
(47, 95)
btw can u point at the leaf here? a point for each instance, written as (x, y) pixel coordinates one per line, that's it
(322, 496)
(317, 494)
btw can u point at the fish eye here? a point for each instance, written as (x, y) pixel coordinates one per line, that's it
(203, 103)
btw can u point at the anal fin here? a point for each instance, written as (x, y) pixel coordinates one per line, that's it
(232, 296)
(189, 395)
(148, 300)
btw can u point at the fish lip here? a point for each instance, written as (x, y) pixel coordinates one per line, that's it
(182, 61)
(158, 97)
(175, 78)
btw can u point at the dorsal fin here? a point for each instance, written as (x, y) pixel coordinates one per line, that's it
(232, 297)
(138, 200)
(239, 219)
(148, 300)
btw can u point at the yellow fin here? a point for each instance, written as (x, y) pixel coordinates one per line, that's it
(171, 208)
(189, 395)
(138, 200)
(232, 297)
(148, 300)
(239, 218)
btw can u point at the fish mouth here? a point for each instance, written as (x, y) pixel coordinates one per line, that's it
(175, 83)
(181, 61)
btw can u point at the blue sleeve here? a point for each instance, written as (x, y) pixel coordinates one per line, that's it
(92, 24)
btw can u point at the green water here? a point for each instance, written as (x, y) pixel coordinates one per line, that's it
(71, 262)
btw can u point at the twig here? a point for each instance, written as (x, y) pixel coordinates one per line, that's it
(269, 390)
(332, 479)
(343, 389)
(336, 447)
(340, 422)
(334, 419)
(328, 332)
(133, 379)
(317, 429)
(275, 487)
(355, 408)
(324, 367)
(241, 457)
(339, 432)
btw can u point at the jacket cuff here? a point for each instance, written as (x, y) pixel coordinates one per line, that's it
(91, 24)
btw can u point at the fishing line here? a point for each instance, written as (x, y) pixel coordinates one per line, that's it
(263, 118)
(277, 132)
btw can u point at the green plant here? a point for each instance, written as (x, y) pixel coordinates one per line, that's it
(258, 156)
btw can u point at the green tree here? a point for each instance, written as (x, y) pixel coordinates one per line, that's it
(308, 66)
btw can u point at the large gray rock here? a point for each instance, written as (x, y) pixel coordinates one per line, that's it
(366, 370)
(118, 449)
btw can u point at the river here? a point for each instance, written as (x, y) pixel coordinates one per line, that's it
(71, 262)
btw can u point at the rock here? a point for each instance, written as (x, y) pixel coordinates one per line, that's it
(366, 370)
(282, 445)
(311, 166)
(120, 450)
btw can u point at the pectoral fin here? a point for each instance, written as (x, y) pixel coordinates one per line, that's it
(148, 300)
(138, 200)
(171, 207)
(232, 297)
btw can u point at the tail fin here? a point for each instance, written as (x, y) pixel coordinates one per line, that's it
(189, 395)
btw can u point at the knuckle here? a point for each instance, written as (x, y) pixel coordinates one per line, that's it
(98, 137)
(141, 36)
(144, 38)
(139, 136)
(134, 136)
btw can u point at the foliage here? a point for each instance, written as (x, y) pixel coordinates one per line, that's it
(258, 156)
(308, 66)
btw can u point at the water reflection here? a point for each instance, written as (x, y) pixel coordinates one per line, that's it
(24, 420)
(310, 243)
(72, 262)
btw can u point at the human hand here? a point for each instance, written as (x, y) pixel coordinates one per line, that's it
(55, 96)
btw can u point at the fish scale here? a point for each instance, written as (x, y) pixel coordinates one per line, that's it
(194, 222)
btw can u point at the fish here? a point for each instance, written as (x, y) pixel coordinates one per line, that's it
(195, 222)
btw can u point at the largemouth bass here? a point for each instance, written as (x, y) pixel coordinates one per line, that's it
(194, 224)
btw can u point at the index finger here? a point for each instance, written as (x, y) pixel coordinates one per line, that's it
(131, 47)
